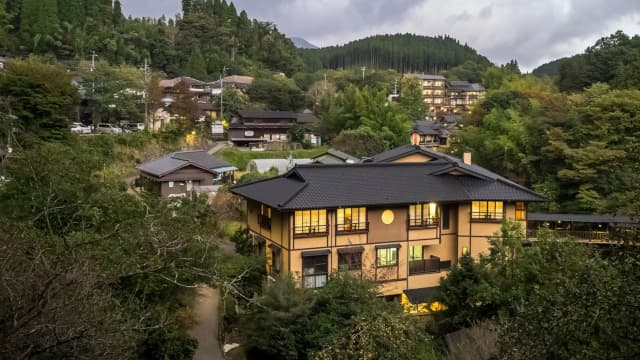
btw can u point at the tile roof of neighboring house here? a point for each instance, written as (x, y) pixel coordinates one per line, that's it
(583, 218)
(432, 77)
(239, 79)
(302, 117)
(169, 83)
(429, 127)
(370, 184)
(333, 156)
(465, 85)
(177, 160)
(264, 165)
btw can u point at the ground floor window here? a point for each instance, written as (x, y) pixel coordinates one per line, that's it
(315, 270)
(276, 261)
(415, 253)
(387, 257)
(350, 261)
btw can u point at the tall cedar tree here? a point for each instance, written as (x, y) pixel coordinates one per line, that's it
(72, 12)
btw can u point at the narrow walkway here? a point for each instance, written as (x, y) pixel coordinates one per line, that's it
(217, 147)
(205, 329)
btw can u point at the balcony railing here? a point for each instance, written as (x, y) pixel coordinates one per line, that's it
(589, 235)
(264, 221)
(427, 266)
(310, 230)
(349, 228)
(417, 223)
(496, 216)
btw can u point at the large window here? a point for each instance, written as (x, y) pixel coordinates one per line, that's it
(350, 260)
(351, 219)
(264, 216)
(423, 215)
(521, 210)
(309, 222)
(387, 257)
(315, 270)
(487, 210)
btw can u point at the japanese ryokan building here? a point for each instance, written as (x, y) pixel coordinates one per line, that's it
(401, 218)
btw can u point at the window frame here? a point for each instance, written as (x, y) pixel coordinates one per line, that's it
(321, 265)
(486, 211)
(357, 224)
(350, 264)
(320, 228)
(521, 210)
(417, 218)
(387, 251)
(264, 216)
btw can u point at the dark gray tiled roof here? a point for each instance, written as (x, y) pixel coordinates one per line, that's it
(177, 160)
(465, 85)
(372, 184)
(432, 77)
(333, 156)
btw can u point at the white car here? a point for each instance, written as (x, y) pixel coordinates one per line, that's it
(132, 127)
(108, 129)
(79, 128)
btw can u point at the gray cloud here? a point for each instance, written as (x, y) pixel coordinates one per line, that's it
(530, 31)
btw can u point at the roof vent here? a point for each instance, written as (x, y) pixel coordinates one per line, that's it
(466, 158)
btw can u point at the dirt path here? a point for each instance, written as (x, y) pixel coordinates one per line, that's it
(205, 329)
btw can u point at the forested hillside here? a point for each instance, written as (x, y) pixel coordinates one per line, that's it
(401, 52)
(614, 60)
(209, 35)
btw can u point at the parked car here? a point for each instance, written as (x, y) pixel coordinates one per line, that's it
(79, 128)
(132, 127)
(108, 129)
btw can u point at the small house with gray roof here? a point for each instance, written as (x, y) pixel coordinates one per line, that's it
(402, 218)
(185, 173)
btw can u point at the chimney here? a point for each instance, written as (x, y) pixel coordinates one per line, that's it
(466, 158)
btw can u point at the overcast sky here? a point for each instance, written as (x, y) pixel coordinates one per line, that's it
(530, 31)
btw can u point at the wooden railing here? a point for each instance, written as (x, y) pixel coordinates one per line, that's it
(589, 235)
(360, 227)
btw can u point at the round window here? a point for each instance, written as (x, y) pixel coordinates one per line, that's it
(387, 217)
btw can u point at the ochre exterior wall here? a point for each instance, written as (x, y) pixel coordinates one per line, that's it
(414, 158)
(447, 244)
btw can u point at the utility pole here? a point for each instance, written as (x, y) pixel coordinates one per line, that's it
(146, 94)
(224, 70)
(395, 87)
(364, 68)
(325, 82)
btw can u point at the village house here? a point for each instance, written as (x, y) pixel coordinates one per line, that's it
(185, 173)
(257, 127)
(401, 218)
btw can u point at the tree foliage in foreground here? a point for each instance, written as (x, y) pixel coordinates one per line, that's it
(90, 270)
(541, 293)
(343, 320)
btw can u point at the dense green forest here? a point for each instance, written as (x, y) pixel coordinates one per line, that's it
(72, 30)
(404, 53)
(614, 60)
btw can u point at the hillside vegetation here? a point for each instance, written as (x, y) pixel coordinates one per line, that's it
(401, 52)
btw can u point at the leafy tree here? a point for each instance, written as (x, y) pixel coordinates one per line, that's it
(72, 12)
(383, 336)
(411, 100)
(276, 93)
(42, 97)
(362, 142)
(196, 67)
(282, 302)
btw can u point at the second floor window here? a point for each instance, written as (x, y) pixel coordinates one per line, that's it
(521, 210)
(351, 219)
(487, 210)
(350, 260)
(315, 271)
(423, 215)
(310, 222)
(264, 217)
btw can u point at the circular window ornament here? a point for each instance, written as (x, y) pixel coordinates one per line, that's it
(387, 217)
